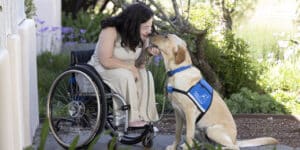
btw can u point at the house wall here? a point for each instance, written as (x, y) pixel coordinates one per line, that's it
(49, 12)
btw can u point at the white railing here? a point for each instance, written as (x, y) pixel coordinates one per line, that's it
(6, 110)
(19, 115)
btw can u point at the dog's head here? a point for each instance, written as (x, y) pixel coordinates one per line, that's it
(173, 49)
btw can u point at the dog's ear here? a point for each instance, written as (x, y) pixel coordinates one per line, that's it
(179, 55)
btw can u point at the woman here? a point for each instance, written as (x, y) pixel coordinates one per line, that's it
(120, 43)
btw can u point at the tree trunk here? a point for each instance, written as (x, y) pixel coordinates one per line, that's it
(199, 60)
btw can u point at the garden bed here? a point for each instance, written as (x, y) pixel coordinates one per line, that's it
(285, 128)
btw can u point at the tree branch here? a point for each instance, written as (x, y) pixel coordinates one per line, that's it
(162, 15)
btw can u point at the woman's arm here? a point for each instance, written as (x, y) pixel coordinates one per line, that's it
(107, 39)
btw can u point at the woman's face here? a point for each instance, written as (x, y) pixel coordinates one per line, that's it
(146, 29)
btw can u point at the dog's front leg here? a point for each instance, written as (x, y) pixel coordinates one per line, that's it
(190, 131)
(179, 124)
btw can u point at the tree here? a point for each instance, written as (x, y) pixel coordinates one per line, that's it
(177, 19)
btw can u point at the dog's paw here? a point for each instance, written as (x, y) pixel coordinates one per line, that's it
(171, 147)
(184, 146)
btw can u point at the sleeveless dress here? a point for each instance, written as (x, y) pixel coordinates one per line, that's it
(140, 95)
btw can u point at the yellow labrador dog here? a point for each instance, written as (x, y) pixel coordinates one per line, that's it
(211, 116)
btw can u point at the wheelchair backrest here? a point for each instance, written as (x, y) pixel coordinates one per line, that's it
(81, 57)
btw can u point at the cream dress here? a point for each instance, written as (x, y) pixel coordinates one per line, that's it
(122, 81)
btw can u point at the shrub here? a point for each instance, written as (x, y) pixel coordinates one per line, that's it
(233, 64)
(49, 67)
(84, 29)
(247, 101)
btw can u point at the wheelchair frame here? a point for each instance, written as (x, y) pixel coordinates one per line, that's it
(84, 111)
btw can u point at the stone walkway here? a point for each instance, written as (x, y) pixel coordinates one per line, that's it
(160, 143)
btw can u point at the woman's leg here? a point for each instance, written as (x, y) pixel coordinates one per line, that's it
(147, 106)
(122, 82)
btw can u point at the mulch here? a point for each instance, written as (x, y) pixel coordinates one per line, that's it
(285, 128)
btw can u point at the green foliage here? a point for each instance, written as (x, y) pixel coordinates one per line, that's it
(93, 143)
(156, 66)
(112, 143)
(74, 143)
(247, 101)
(44, 135)
(85, 28)
(282, 81)
(262, 41)
(203, 145)
(231, 61)
(243, 9)
(30, 8)
(159, 75)
(282, 76)
(203, 16)
(161, 99)
(49, 66)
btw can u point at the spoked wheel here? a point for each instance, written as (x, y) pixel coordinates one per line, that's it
(76, 107)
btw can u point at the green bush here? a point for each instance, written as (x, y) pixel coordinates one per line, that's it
(49, 66)
(282, 82)
(247, 101)
(232, 63)
(84, 29)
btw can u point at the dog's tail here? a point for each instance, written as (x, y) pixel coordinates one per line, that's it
(257, 142)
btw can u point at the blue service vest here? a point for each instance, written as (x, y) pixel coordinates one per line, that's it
(201, 94)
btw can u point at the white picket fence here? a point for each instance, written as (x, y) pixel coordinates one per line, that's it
(19, 115)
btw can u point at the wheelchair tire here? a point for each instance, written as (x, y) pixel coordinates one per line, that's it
(76, 106)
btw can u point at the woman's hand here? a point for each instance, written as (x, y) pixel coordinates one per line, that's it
(135, 72)
(153, 51)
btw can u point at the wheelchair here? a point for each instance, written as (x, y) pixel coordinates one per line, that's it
(80, 105)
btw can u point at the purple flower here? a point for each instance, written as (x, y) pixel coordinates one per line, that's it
(58, 38)
(55, 28)
(82, 31)
(39, 21)
(43, 29)
(82, 40)
(71, 36)
(66, 30)
(157, 59)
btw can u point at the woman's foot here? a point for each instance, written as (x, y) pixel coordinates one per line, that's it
(137, 123)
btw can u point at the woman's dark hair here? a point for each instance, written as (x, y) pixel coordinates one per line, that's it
(128, 23)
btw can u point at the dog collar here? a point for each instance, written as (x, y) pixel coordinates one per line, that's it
(172, 72)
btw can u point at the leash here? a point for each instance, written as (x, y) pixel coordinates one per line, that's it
(148, 92)
(146, 57)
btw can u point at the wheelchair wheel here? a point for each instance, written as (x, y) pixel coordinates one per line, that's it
(76, 106)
